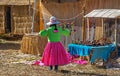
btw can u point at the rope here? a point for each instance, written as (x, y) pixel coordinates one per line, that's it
(71, 17)
(60, 18)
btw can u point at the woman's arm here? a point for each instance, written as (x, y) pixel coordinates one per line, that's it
(65, 32)
(43, 33)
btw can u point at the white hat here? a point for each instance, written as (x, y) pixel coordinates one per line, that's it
(53, 20)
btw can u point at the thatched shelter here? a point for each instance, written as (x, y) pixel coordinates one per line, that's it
(102, 4)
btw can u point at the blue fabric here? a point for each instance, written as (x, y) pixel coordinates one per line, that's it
(100, 52)
(80, 50)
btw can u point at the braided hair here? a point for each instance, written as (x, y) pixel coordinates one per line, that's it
(55, 29)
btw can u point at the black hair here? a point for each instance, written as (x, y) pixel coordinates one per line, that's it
(55, 26)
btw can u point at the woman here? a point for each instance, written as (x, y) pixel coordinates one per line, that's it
(54, 53)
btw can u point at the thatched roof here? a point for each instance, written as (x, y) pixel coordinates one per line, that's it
(16, 2)
(104, 13)
(59, 1)
(26, 2)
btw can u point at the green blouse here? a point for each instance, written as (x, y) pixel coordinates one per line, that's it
(54, 37)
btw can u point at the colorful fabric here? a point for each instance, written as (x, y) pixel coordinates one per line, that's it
(55, 54)
(81, 50)
(100, 52)
(38, 62)
(52, 36)
(81, 62)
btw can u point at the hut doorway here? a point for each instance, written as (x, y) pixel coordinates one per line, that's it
(8, 19)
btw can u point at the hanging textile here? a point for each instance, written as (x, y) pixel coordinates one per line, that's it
(41, 20)
(92, 33)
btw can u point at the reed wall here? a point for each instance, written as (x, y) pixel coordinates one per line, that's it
(2, 19)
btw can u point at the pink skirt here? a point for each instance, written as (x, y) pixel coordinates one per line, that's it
(55, 54)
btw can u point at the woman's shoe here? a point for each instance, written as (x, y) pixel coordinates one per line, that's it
(56, 68)
(51, 67)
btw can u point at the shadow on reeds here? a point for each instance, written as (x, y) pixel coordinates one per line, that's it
(80, 74)
(8, 46)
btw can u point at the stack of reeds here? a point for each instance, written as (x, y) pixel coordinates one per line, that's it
(22, 25)
(33, 44)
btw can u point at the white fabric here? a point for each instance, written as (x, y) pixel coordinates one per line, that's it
(92, 30)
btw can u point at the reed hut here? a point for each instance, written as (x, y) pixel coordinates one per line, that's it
(16, 16)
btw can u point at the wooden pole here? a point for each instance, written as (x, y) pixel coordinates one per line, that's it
(29, 8)
(83, 22)
(83, 25)
(83, 29)
(115, 31)
(88, 28)
(33, 16)
(116, 44)
(103, 27)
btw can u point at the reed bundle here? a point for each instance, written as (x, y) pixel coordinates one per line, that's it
(33, 44)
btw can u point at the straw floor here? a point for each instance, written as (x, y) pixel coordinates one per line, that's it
(14, 63)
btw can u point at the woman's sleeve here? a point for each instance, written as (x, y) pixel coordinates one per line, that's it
(65, 32)
(43, 33)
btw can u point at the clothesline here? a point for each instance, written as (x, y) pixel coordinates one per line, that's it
(72, 18)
